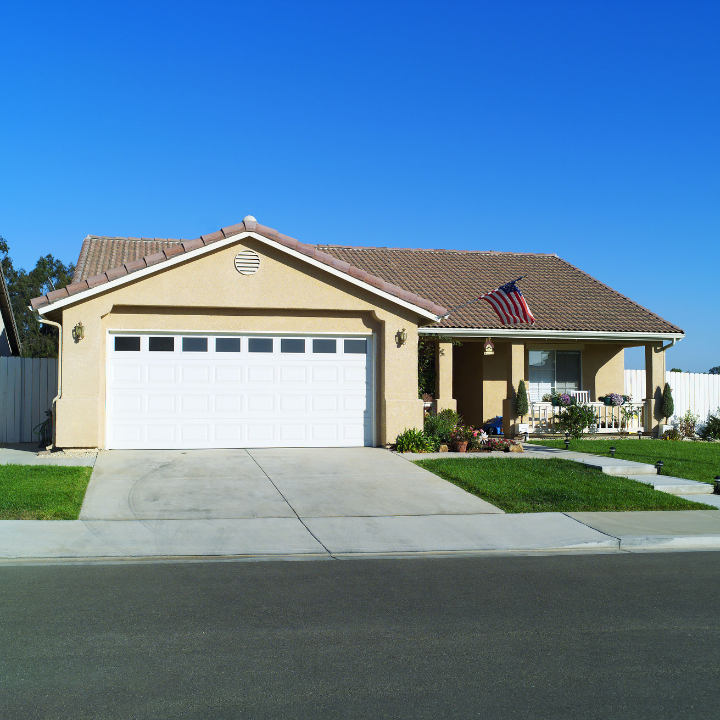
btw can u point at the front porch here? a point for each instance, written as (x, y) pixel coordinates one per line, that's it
(481, 382)
(612, 419)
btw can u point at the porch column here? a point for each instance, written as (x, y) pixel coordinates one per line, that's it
(515, 373)
(654, 384)
(444, 376)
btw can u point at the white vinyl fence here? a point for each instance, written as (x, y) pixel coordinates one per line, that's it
(27, 389)
(697, 392)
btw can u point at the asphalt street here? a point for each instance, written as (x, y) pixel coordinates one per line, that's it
(566, 636)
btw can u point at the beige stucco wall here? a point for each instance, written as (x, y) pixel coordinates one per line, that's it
(207, 294)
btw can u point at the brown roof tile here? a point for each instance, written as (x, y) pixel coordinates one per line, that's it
(561, 296)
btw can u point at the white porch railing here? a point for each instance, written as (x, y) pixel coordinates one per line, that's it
(611, 418)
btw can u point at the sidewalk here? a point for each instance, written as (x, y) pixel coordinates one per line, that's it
(478, 529)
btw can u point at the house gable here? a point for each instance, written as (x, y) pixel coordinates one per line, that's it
(183, 251)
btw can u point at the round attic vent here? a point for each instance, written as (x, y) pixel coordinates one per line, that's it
(247, 262)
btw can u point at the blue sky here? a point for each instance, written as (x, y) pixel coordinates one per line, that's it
(585, 129)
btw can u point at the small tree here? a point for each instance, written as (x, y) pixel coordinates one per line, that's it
(714, 370)
(667, 406)
(521, 401)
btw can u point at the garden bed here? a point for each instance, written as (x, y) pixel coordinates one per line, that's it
(536, 485)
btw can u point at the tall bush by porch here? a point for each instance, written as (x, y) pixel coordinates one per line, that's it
(521, 401)
(667, 406)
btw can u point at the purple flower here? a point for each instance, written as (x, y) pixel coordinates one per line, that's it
(616, 399)
(565, 399)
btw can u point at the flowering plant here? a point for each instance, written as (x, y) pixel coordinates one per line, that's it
(565, 400)
(478, 440)
(616, 399)
(498, 444)
(463, 433)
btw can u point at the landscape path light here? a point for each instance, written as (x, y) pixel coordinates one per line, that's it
(716, 489)
(659, 466)
(612, 451)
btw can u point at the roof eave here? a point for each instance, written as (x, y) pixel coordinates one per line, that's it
(9, 315)
(533, 334)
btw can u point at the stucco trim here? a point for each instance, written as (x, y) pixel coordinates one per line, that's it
(197, 252)
(549, 334)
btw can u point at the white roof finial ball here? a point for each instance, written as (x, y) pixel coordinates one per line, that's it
(249, 218)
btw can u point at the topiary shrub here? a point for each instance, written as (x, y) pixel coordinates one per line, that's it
(667, 406)
(574, 419)
(521, 401)
(413, 441)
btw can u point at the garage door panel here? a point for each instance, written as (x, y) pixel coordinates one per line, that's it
(261, 374)
(160, 403)
(164, 374)
(177, 399)
(292, 375)
(228, 403)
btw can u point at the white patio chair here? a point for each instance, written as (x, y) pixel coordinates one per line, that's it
(581, 396)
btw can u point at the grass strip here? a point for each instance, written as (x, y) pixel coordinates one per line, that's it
(535, 485)
(690, 460)
(42, 492)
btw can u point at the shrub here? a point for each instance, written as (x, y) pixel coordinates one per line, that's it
(667, 406)
(521, 401)
(413, 441)
(671, 434)
(686, 424)
(575, 419)
(711, 429)
(442, 425)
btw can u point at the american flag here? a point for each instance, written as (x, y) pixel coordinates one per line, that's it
(509, 304)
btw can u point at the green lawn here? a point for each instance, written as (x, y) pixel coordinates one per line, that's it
(535, 485)
(690, 460)
(42, 492)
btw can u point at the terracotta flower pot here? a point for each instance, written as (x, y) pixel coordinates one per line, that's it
(460, 446)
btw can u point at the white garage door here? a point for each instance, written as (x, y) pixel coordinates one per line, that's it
(226, 391)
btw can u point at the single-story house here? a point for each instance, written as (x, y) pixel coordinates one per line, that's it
(9, 338)
(249, 338)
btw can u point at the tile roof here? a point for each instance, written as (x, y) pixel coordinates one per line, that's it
(561, 296)
(103, 259)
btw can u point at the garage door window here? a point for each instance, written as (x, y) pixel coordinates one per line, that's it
(162, 344)
(325, 346)
(260, 345)
(292, 345)
(127, 344)
(356, 347)
(194, 344)
(227, 345)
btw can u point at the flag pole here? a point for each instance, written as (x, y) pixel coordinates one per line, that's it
(460, 307)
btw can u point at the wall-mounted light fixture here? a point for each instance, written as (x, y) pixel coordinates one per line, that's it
(78, 332)
(401, 337)
(488, 347)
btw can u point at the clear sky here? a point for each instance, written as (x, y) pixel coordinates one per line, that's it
(586, 129)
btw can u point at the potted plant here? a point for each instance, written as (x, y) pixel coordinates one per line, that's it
(613, 399)
(461, 436)
(521, 401)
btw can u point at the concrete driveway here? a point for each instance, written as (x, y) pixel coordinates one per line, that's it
(267, 483)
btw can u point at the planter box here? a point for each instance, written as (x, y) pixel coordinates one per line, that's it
(521, 428)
